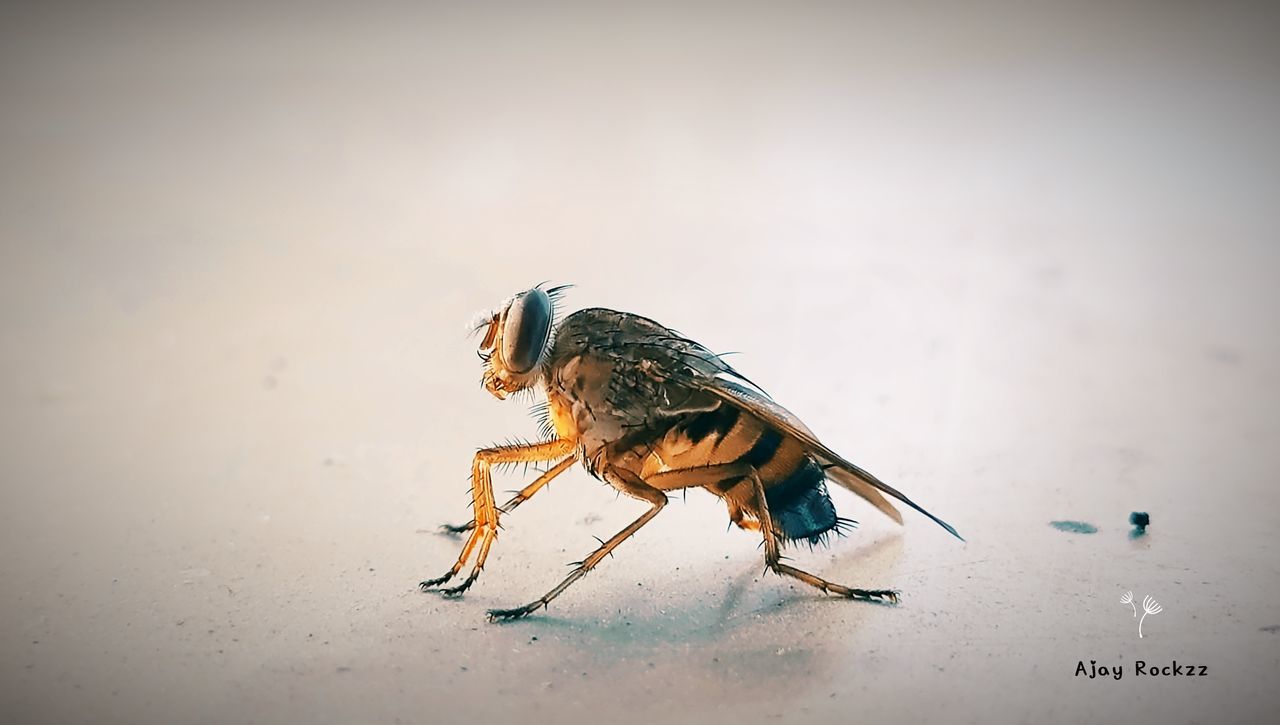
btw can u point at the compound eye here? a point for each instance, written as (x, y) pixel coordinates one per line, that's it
(525, 331)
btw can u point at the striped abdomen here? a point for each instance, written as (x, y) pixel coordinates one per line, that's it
(794, 484)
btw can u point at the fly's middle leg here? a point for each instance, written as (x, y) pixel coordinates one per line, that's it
(485, 522)
(626, 482)
(649, 489)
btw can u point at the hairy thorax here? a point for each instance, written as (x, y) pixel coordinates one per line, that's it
(576, 402)
(583, 406)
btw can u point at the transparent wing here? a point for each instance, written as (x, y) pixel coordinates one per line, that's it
(661, 373)
(838, 469)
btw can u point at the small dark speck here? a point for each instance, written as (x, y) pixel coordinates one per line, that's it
(1273, 629)
(463, 668)
(1140, 521)
(344, 669)
(1074, 527)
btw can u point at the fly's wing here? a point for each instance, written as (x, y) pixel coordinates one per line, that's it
(662, 375)
(786, 421)
(838, 469)
(649, 367)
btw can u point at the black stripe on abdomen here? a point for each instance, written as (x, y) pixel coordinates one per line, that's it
(719, 421)
(763, 450)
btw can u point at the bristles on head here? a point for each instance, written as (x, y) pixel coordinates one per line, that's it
(479, 321)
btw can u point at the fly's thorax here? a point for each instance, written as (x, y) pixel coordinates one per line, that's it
(577, 387)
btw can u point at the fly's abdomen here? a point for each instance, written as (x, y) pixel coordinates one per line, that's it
(795, 488)
(794, 484)
(799, 503)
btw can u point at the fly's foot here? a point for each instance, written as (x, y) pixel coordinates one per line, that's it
(887, 596)
(506, 615)
(455, 529)
(433, 583)
(458, 590)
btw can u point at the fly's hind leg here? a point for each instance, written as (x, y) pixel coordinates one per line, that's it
(485, 523)
(773, 558)
(723, 479)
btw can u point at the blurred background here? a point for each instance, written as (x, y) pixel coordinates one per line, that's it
(1018, 259)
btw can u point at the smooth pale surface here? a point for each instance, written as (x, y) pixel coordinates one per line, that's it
(1020, 262)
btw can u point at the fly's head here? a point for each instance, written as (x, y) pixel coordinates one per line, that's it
(516, 341)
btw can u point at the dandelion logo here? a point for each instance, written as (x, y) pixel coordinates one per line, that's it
(1149, 606)
(1128, 599)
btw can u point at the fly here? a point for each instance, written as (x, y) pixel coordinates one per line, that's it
(649, 412)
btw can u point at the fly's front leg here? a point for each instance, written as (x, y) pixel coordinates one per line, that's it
(485, 512)
(521, 496)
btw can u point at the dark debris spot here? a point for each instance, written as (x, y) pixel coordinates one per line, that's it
(1074, 527)
(1140, 521)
